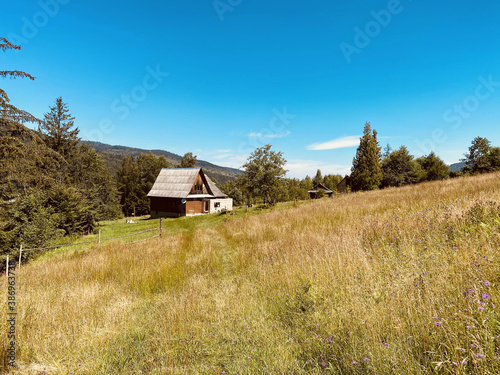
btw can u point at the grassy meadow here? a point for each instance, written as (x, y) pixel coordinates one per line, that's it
(397, 281)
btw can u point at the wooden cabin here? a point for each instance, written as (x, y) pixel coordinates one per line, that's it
(313, 194)
(344, 186)
(186, 192)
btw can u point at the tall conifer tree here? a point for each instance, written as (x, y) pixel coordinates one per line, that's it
(366, 166)
(58, 128)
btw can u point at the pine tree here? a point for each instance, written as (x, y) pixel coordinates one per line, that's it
(477, 159)
(58, 129)
(366, 171)
(318, 179)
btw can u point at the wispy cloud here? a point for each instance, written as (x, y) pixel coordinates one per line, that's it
(273, 135)
(350, 141)
(301, 168)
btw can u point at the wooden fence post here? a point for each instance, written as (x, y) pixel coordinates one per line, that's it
(20, 253)
(7, 268)
(99, 238)
(161, 226)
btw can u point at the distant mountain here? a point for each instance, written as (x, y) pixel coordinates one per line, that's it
(457, 167)
(113, 156)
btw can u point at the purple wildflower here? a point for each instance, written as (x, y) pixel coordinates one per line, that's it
(480, 308)
(438, 323)
(485, 296)
(486, 283)
(354, 363)
(323, 364)
(472, 345)
(366, 359)
(435, 317)
(479, 355)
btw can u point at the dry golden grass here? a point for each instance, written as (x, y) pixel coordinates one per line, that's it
(387, 282)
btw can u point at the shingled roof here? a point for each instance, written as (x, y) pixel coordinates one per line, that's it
(319, 187)
(178, 182)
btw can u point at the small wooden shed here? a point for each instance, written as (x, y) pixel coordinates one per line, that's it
(185, 192)
(313, 194)
(344, 185)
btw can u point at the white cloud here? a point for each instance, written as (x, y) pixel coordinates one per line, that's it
(222, 156)
(350, 141)
(273, 135)
(229, 160)
(301, 168)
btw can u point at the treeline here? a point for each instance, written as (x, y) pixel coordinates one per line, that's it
(284, 190)
(264, 178)
(136, 177)
(373, 170)
(51, 185)
(264, 181)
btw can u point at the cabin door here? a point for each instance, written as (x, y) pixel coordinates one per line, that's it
(205, 206)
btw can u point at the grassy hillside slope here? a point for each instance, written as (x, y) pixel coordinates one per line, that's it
(398, 281)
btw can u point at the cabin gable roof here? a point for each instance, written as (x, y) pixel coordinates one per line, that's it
(320, 187)
(178, 183)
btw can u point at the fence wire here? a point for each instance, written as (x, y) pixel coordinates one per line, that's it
(97, 241)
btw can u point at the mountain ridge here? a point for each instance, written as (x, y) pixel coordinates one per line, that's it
(114, 154)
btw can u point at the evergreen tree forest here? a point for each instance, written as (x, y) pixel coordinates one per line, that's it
(135, 179)
(51, 185)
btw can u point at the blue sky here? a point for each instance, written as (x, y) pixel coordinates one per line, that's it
(220, 78)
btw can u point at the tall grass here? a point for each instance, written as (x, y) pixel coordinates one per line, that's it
(398, 281)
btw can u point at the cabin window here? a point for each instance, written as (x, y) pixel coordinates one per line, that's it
(198, 188)
(217, 204)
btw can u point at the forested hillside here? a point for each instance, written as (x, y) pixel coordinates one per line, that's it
(113, 157)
